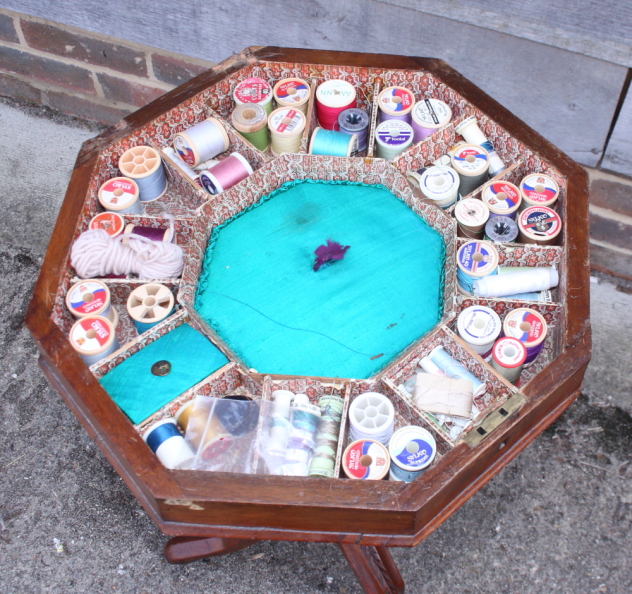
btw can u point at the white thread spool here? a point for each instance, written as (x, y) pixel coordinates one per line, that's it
(395, 102)
(254, 90)
(539, 189)
(286, 128)
(439, 184)
(428, 115)
(479, 326)
(149, 305)
(201, 142)
(292, 92)
(524, 281)
(180, 164)
(472, 164)
(227, 173)
(471, 215)
(281, 426)
(539, 224)
(469, 129)
(475, 259)
(93, 337)
(502, 198)
(144, 165)
(392, 138)
(366, 459)
(164, 439)
(372, 416)
(120, 195)
(91, 298)
(412, 450)
(508, 356)
(111, 222)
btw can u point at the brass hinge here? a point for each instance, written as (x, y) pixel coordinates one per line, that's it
(494, 419)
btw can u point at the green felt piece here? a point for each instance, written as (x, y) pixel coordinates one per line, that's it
(139, 393)
(259, 292)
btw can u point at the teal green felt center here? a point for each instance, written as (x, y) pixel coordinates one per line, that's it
(259, 291)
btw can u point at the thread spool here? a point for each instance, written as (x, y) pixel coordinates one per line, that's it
(120, 195)
(164, 440)
(529, 327)
(427, 116)
(469, 129)
(254, 90)
(280, 425)
(439, 184)
(292, 92)
(502, 198)
(479, 326)
(149, 305)
(226, 174)
(429, 367)
(151, 233)
(474, 260)
(501, 229)
(110, 222)
(539, 224)
(286, 127)
(366, 459)
(93, 337)
(392, 138)
(323, 460)
(355, 121)
(508, 357)
(205, 140)
(181, 165)
(91, 298)
(525, 281)
(301, 442)
(395, 103)
(472, 164)
(412, 450)
(538, 189)
(453, 369)
(216, 439)
(333, 97)
(335, 144)
(371, 416)
(183, 414)
(144, 165)
(251, 121)
(471, 215)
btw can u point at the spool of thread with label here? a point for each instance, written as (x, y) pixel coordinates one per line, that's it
(474, 260)
(323, 460)
(525, 281)
(439, 184)
(286, 128)
(302, 437)
(355, 121)
(335, 144)
(332, 98)
(181, 165)
(371, 416)
(144, 165)
(427, 116)
(508, 357)
(529, 327)
(254, 90)
(292, 92)
(539, 189)
(93, 337)
(111, 222)
(501, 229)
(540, 225)
(201, 142)
(392, 138)
(91, 298)
(164, 440)
(366, 459)
(453, 369)
(151, 233)
(471, 215)
(120, 195)
(251, 121)
(412, 450)
(395, 103)
(149, 305)
(502, 198)
(469, 129)
(226, 174)
(472, 164)
(479, 326)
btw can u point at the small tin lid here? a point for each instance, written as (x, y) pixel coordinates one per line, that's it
(88, 298)
(253, 90)
(526, 325)
(291, 92)
(431, 113)
(118, 193)
(471, 212)
(479, 325)
(92, 335)
(502, 197)
(438, 182)
(111, 222)
(412, 448)
(393, 133)
(249, 118)
(139, 162)
(540, 223)
(335, 93)
(470, 160)
(396, 101)
(501, 229)
(150, 303)
(509, 352)
(286, 121)
(539, 189)
(477, 258)
(366, 459)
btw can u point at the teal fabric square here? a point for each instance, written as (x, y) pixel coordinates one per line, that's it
(139, 393)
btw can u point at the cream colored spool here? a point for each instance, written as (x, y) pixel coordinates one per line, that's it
(392, 98)
(286, 128)
(540, 225)
(292, 92)
(150, 304)
(249, 118)
(91, 297)
(143, 164)
(538, 189)
(120, 195)
(499, 195)
(93, 338)
(471, 215)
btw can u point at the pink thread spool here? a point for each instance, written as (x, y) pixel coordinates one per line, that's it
(150, 233)
(225, 174)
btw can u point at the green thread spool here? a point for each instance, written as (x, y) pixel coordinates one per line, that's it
(328, 430)
(251, 121)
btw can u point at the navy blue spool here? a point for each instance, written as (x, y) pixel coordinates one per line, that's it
(355, 121)
(160, 434)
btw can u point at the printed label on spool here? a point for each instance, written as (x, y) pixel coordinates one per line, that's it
(286, 121)
(478, 324)
(539, 189)
(464, 124)
(292, 91)
(470, 159)
(110, 222)
(439, 183)
(477, 258)
(87, 297)
(412, 448)
(353, 119)
(509, 352)
(118, 193)
(471, 212)
(91, 335)
(394, 133)
(396, 99)
(540, 222)
(183, 148)
(252, 90)
(501, 196)
(525, 325)
(366, 459)
(431, 113)
(335, 93)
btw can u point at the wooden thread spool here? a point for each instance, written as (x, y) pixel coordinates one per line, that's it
(502, 198)
(254, 90)
(149, 305)
(529, 327)
(396, 103)
(286, 127)
(539, 225)
(508, 357)
(201, 142)
(251, 121)
(292, 92)
(111, 222)
(479, 326)
(366, 459)
(471, 215)
(427, 116)
(538, 189)
(120, 195)
(93, 337)
(472, 164)
(89, 298)
(144, 165)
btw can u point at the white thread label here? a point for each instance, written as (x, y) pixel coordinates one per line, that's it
(252, 90)
(90, 335)
(118, 192)
(431, 112)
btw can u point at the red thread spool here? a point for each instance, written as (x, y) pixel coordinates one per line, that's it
(150, 233)
(332, 98)
(227, 173)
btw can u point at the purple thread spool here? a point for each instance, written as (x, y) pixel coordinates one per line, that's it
(529, 327)
(427, 116)
(396, 103)
(150, 233)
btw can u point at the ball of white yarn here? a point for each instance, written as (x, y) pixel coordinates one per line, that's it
(95, 254)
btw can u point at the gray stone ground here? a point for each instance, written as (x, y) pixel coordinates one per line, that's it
(556, 520)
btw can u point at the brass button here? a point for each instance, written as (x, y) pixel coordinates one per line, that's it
(161, 368)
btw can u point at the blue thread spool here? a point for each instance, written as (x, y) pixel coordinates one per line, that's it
(144, 165)
(475, 260)
(149, 305)
(332, 143)
(355, 121)
(164, 440)
(93, 337)
(412, 450)
(120, 195)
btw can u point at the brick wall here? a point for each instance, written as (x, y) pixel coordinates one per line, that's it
(84, 74)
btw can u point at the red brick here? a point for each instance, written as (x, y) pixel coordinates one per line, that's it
(175, 71)
(53, 40)
(83, 107)
(610, 231)
(51, 71)
(611, 195)
(19, 90)
(118, 89)
(7, 29)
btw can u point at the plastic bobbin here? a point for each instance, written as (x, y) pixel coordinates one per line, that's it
(93, 337)
(366, 459)
(292, 92)
(149, 305)
(372, 416)
(412, 449)
(144, 165)
(120, 195)
(91, 298)
(502, 198)
(539, 224)
(111, 222)
(539, 189)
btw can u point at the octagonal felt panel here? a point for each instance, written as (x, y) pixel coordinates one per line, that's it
(259, 291)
